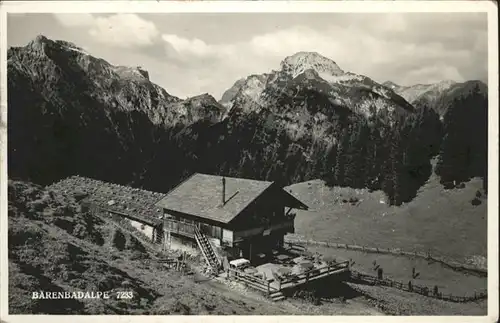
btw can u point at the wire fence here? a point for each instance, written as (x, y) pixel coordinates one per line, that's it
(418, 289)
(454, 265)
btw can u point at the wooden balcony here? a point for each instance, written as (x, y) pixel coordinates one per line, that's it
(180, 227)
(188, 229)
(287, 224)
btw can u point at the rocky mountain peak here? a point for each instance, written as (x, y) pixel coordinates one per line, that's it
(39, 40)
(58, 69)
(424, 94)
(143, 72)
(299, 62)
(307, 79)
(39, 43)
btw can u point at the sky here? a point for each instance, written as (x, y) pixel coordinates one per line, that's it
(193, 53)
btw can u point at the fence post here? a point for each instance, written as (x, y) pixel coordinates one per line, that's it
(268, 288)
(380, 273)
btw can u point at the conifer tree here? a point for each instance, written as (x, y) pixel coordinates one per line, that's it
(341, 157)
(351, 158)
(397, 166)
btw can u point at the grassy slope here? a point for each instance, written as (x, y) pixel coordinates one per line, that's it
(400, 269)
(443, 221)
(396, 302)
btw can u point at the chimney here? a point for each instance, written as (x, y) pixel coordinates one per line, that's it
(223, 190)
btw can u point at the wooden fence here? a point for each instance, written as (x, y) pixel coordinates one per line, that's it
(177, 264)
(251, 281)
(311, 274)
(418, 289)
(395, 251)
(291, 281)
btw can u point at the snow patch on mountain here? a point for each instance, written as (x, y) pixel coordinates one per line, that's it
(391, 85)
(78, 50)
(343, 78)
(381, 91)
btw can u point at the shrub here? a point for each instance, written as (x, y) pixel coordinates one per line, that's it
(79, 231)
(97, 238)
(476, 201)
(119, 240)
(135, 245)
(66, 225)
(353, 200)
(448, 185)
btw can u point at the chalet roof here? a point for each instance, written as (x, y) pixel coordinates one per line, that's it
(201, 195)
(132, 203)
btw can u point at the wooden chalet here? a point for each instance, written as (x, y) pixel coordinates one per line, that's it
(244, 217)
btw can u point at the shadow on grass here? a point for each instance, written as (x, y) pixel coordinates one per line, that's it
(48, 306)
(327, 290)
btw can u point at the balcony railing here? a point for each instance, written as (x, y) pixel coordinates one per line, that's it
(188, 229)
(180, 227)
(288, 224)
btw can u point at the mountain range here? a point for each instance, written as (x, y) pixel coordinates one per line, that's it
(72, 113)
(314, 71)
(436, 95)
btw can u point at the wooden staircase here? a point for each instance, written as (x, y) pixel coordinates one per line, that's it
(277, 296)
(207, 251)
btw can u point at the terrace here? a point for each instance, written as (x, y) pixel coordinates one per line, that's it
(289, 268)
